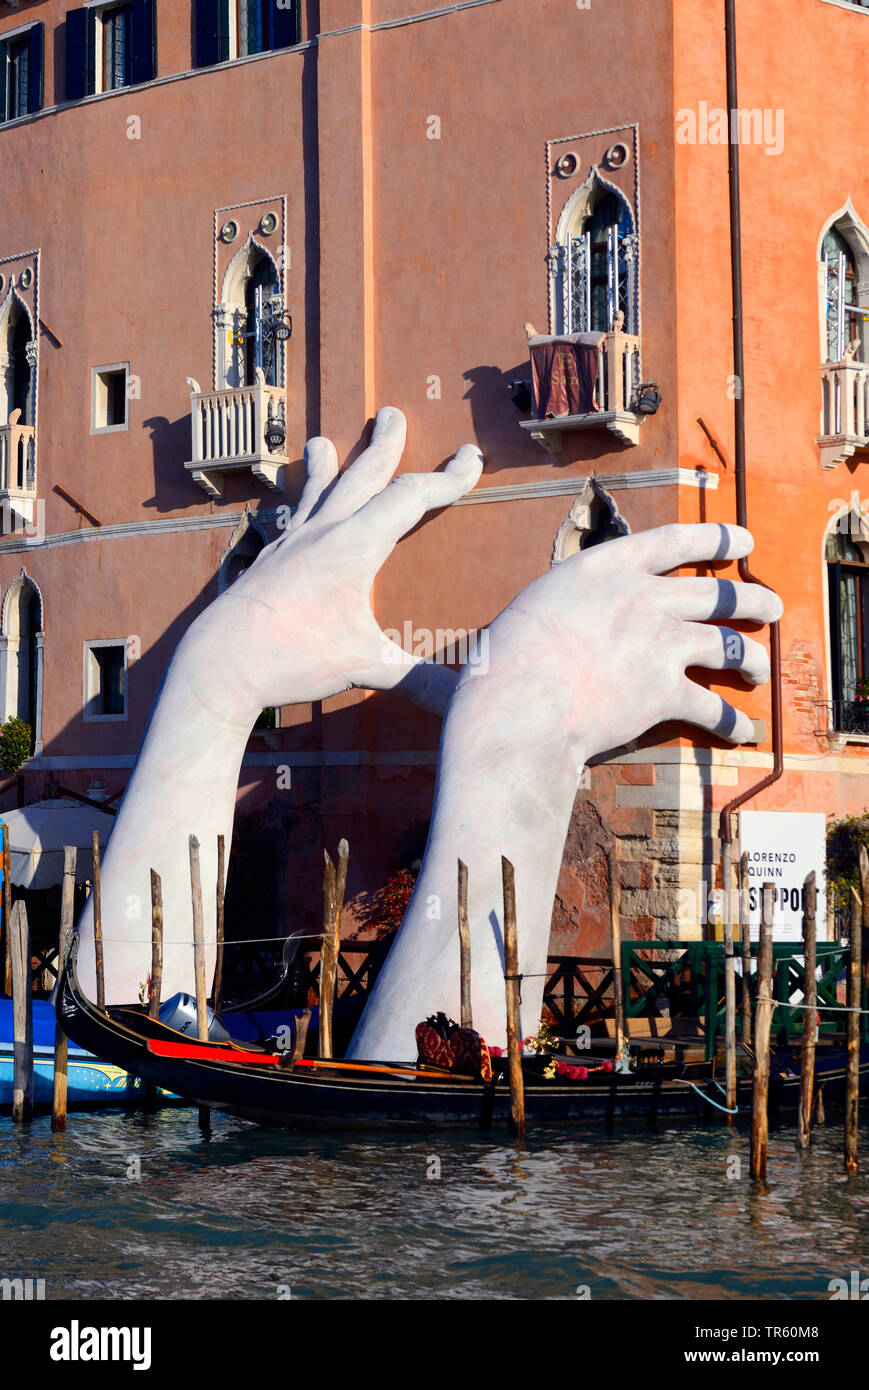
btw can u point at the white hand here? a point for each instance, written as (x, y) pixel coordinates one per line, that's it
(585, 659)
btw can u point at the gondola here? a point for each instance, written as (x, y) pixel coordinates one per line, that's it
(256, 1082)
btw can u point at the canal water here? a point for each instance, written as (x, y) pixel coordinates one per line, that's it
(128, 1205)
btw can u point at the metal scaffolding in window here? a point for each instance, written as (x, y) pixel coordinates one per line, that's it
(601, 270)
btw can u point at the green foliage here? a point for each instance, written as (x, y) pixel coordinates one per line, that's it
(16, 743)
(844, 838)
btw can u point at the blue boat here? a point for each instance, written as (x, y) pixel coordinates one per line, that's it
(90, 1082)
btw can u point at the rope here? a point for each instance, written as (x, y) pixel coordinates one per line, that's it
(683, 1081)
(816, 1008)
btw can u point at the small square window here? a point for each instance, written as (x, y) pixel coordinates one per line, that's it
(105, 680)
(110, 397)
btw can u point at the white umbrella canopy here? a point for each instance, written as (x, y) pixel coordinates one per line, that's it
(38, 834)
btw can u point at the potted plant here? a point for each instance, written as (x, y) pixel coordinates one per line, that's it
(16, 744)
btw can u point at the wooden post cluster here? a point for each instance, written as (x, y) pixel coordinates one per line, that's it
(760, 1116)
(22, 1016)
(511, 981)
(810, 1016)
(67, 913)
(334, 888)
(464, 948)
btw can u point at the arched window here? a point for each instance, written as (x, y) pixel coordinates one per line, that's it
(17, 349)
(595, 261)
(593, 519)
(245, 544)
(19, 337)
(21, 655)
(251, 288)
(840, 277)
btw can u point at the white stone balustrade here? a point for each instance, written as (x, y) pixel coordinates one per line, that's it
(618, 376)
(229, 430)
(17, 458)
(844, 411)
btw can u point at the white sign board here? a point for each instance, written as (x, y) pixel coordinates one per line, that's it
(783, 847)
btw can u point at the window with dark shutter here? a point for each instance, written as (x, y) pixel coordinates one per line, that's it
(283, 23)
(81, 27)
(212, 32)
(144, 35)
(21, 73)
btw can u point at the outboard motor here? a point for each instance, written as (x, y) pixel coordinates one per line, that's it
(179, 1013)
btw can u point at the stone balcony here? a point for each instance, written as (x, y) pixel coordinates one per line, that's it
(613, 396)
(238, 428)
(844, 411)
(17, 460)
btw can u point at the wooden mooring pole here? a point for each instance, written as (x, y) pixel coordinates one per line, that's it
(810, 1016)
(760, 1100)
(616, 952)
(67, 912)
(217, 987)
(512, 984)
(464, 948)
(156, 945)
(855, 992)
(198, 941)
(7, 916)
(22, 1017)
(745, 939)
(98, 922)
(729, 981)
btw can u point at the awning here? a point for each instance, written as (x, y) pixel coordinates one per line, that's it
(38, 833)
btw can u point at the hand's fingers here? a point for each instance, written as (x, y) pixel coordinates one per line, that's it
(375, 528)
(710, 712)
(426, 683)
(370, 473)
(666, 547)
(321, 462)
(724, 649)
(698, 600)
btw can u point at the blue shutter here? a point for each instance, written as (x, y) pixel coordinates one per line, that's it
(212, 32)
(283, 23)
(144, 27)
(81, 32)
(34, 71)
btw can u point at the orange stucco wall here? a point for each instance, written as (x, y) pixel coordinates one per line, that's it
(412, 258)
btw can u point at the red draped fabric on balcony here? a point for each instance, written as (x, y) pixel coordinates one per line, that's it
(564, 371)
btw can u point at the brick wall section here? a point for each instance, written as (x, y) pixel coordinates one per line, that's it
(801, 677)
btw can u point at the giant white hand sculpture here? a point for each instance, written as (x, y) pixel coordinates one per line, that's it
(296, 627)
(585, 659)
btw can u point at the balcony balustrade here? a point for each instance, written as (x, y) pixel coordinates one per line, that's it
(612, 397)
(17, 459)
(844, 411)
(237, 428)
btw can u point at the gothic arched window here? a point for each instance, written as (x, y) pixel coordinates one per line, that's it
(596, 262)
(840, 294)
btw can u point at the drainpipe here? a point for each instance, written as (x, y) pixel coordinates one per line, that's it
(725, 824)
